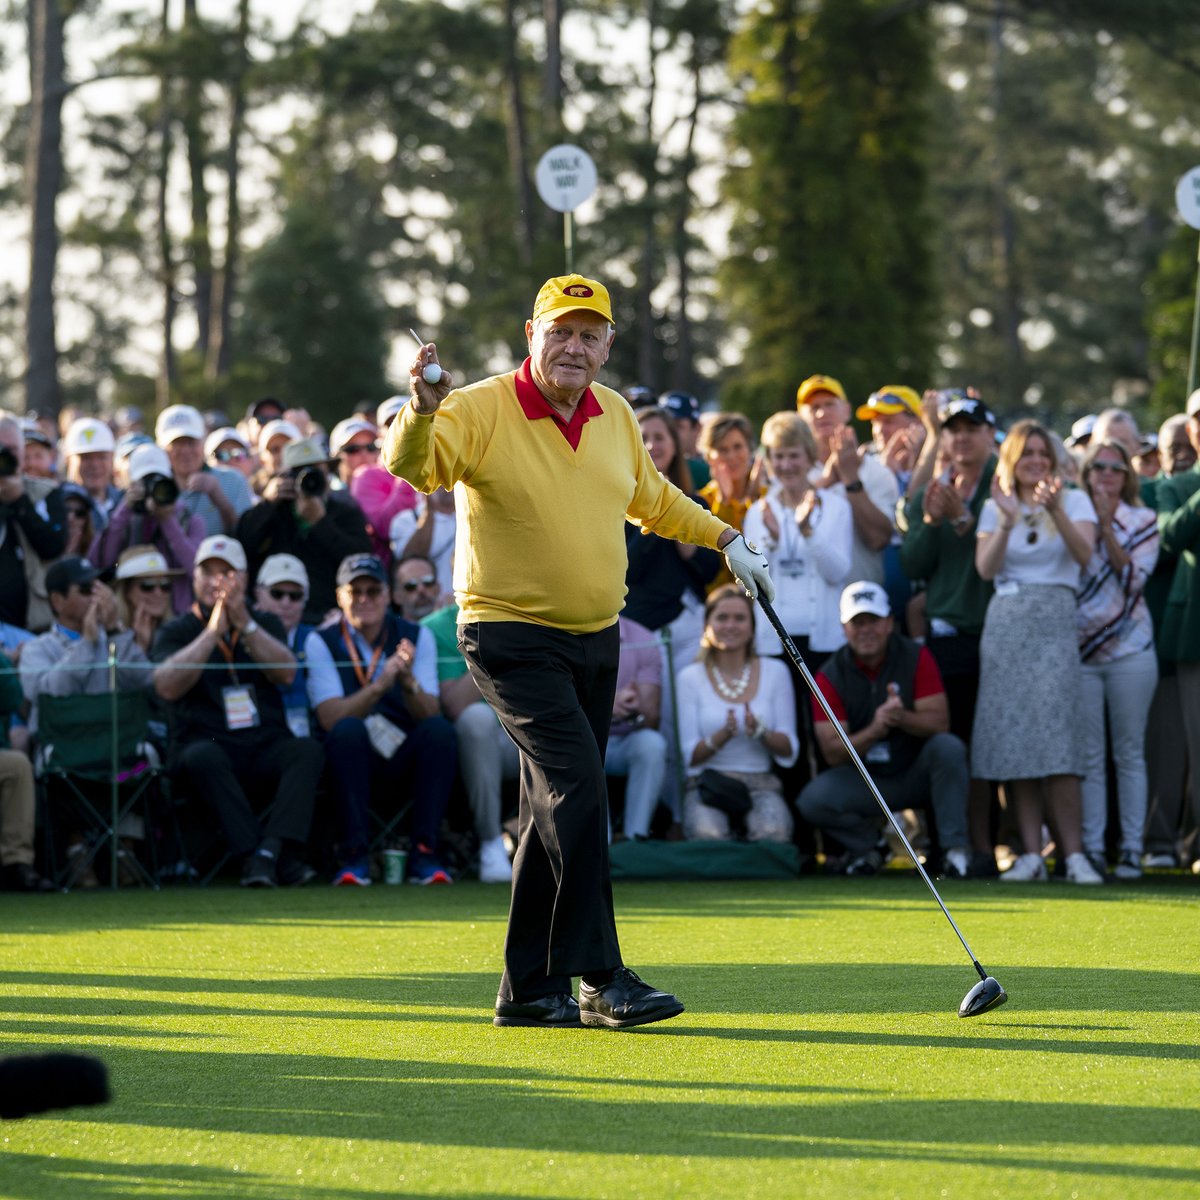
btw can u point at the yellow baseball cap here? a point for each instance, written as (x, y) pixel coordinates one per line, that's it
(818, 383)
(570, 293)
(890, 399)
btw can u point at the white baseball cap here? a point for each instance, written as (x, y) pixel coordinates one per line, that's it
(863, 597)
(222, 546)
(178, 421)
(87, 434)
(273, 429)
(148, 459)
(283, 568)
(1081, 430)
(343, 431)
(137, 562)
(1193, 404)
(219, 437)
(389, 409)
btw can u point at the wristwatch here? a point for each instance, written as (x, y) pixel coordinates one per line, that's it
(250, 627)
(856, 486)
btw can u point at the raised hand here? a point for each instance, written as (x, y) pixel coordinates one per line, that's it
(427, 397)
(1048, 493)
(1006, 502)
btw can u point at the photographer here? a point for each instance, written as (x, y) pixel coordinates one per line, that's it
(150, 514)
(299, 515)
(33, 533)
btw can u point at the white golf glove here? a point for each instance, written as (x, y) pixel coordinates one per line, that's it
(749, 568)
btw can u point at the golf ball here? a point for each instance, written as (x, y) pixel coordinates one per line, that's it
(432, 373)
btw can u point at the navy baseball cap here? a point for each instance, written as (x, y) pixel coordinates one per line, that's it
(361, 566)
(681, 405)
(963, 404)
(68, 571)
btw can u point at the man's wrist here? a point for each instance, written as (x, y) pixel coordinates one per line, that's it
(250, 627)
(854, 487)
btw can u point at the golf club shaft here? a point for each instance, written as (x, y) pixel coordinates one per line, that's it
(790, 649)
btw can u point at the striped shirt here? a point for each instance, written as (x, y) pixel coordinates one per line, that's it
(1112, 616)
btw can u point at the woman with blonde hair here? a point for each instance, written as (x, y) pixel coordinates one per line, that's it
(737, 719)
(1034, 537)
(727, 444)
(143, 583)
(1116, 645)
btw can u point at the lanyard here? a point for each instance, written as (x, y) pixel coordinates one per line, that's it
(226, 649)
(364, 677)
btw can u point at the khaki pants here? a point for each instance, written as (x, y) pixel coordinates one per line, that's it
(16, 809)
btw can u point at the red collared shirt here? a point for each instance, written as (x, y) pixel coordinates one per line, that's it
(536, 406)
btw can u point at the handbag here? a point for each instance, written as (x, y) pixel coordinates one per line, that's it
(718, 790)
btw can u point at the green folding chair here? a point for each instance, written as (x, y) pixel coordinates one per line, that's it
(99, 739)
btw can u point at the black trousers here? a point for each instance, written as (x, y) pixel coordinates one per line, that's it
(281, 770)
(553, 692)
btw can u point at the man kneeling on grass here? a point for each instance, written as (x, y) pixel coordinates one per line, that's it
(886, 691)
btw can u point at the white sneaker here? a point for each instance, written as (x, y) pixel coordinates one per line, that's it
(494, 866)
(1080, 870)
(1029, 868)
(1160, 862)
(956, 864)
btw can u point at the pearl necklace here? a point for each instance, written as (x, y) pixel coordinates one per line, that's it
(734, 690)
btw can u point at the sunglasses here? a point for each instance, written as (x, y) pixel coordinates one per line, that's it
(361, 448)
(226, 456)
(278, 593)
(80, 514)
(85, 589)
(1114, 468)
(411, 585)
(372, 592)
(153, 585)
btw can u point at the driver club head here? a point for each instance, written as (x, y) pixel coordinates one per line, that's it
(983, 997)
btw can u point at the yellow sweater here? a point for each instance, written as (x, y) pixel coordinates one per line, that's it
(541, 527)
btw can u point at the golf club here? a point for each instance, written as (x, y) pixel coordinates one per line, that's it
(987, 993)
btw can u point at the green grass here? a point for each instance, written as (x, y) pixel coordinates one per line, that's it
(331, 1044)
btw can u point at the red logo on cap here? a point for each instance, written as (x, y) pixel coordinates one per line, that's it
(579, 290)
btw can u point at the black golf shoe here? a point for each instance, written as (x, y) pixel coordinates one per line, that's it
(551, 1012)
(625, 1001)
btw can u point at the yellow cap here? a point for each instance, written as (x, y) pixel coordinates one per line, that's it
(890, 399)
(818, 383)
(570, 293)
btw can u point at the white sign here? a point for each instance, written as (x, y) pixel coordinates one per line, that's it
(566, 177)
(1187, 197)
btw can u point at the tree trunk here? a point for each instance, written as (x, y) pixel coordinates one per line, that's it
(167, 368)
(518, 151)
(43, 178)
(220, 344)
(199, 241)
(1012, 351)
(647, 357)
(683, 372)
(552, 83)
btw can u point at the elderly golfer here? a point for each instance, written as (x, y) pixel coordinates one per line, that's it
(546, 469)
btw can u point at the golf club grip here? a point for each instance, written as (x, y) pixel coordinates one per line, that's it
(790, 650)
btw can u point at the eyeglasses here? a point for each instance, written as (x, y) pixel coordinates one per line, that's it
(85, 589)
(411, 585)
(371, 592)
(278, 593)
(1114, 468)
(80, 514)
(226, 456)
(361, 448)
(154, 585)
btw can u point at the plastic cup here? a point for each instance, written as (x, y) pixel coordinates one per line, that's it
(394, 862)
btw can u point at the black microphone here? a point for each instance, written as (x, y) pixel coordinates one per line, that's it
(34, 1083)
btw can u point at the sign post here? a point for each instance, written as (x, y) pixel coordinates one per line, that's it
(1187, 201)
(566, 177)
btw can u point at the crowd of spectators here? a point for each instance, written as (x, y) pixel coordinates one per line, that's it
(1007, 625)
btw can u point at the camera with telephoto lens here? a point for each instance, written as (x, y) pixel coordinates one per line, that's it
(162, 489)
(310, 481)
(9, 465)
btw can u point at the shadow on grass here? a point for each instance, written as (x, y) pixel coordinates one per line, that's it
(415, 1105)
(766, 988)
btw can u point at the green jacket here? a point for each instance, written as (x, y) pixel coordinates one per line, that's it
(1179, 531)
(946, 561)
